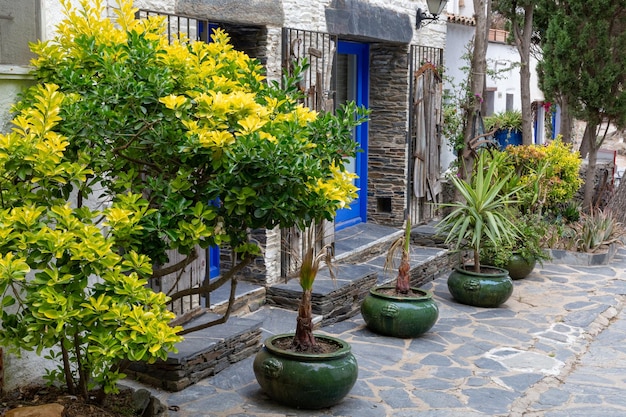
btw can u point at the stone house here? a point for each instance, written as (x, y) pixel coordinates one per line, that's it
(367, 51)
(370, 51)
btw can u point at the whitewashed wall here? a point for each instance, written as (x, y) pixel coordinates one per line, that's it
(499, 56)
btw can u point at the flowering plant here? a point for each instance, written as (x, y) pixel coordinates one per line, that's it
(549, 174)
(185, 142)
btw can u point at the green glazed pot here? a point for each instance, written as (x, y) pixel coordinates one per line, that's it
(302, 380)
(519, 267)
(399, 316)
(486, 289)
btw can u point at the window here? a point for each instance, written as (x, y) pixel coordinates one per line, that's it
(509, 102)
(490, 99)
(19, 25)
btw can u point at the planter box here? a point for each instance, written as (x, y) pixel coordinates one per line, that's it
(508, 137)
(560, 256)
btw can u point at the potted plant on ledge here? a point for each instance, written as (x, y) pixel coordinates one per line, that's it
(482, 217)
(507, 126)
(400, 310)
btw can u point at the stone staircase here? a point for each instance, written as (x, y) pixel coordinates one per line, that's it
(260, 312)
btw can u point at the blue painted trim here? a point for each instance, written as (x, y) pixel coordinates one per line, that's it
(358, 212)
(213, 253)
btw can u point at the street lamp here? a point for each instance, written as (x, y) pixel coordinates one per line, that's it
(435, 7)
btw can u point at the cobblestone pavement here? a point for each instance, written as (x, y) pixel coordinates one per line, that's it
(556, 348)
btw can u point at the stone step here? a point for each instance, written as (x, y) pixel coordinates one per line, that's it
(202, 354)
(249, 297)
(334, 300)
(259, 312)
(340, 299)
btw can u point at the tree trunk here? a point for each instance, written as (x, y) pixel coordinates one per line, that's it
(478, 68)
(590, 139)
(304, 341)
(566, 128)
(477, 261)
(522, 41)
(403, 282)
(617, 204)
(584, 144)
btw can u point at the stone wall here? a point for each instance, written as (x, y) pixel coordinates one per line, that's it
(603, 183)
(207, 353)
(387, 184)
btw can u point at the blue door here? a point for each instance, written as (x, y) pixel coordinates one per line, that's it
(353, 85)
(213, 253)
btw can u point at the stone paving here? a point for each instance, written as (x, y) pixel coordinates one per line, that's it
(556, 348)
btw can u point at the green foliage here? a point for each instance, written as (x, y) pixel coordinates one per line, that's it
(528, 243)
(584, 59)
(597, 229)
(453, 120)
(508, 120)
(459, 99)
(51, 254)
(569, 212)
(548, 175)
(196, 130)
(484, 216)
(185, 143)
(456, 102)
(592, 232)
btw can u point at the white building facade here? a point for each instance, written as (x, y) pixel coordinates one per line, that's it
(503, 91)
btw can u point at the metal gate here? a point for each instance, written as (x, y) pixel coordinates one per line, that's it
(194, 273)
(320, 50)
(425, 119)
(192, 28)
(318, 86)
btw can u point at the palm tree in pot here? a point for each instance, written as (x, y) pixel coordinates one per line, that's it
(400, 310)
(482, 216)
(291, 366)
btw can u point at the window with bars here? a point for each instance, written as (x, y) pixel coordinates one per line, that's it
(19, 25)
(320, 50)
(192, 28)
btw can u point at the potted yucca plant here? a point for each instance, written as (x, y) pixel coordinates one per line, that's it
(292, 365)
(481, 217)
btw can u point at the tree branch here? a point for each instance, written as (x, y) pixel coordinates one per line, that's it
(161, 272)
(209, 286)
(221, 320)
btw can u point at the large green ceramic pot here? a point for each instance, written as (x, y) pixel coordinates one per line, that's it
(399, 316)
(301, 380)
(489, 288)
(519, 267)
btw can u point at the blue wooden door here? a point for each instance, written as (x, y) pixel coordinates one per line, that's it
(213, 253)
(353, 85)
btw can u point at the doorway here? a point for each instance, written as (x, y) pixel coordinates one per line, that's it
(352, 81)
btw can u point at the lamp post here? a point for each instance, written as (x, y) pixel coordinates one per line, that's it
(435, 7)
